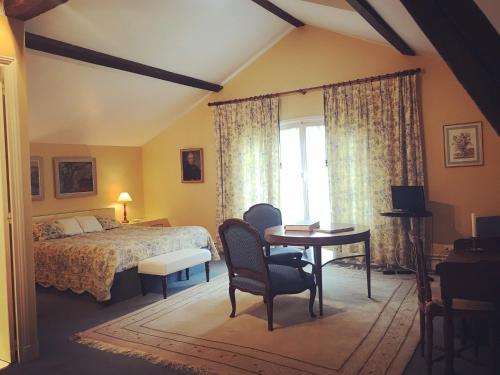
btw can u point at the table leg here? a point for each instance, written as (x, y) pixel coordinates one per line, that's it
(318, 271)
(448, 338)
(368, 263)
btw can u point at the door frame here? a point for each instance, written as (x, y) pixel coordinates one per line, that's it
(7, 354)
(301, 123)
(23, 283)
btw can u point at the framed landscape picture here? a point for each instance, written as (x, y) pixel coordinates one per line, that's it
(192, 165)
(463, 144)
(75, 177)
(36, 170)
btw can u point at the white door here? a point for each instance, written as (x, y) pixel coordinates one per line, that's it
(304, 172)
(6, 296)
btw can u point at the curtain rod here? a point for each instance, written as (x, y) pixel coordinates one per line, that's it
(314, 88)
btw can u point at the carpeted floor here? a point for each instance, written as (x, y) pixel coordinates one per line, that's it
(61, 315)
(356, 335)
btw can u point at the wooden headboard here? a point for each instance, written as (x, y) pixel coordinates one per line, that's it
(97, 212)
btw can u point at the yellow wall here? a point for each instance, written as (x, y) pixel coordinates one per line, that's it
(307, 57)
(12, 45)
(118, 169)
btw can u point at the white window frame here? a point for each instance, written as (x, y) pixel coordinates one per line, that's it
(302, 123)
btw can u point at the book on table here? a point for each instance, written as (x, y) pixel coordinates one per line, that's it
(336, 228)
(303, 226)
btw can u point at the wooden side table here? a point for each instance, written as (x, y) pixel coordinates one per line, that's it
(149, 222)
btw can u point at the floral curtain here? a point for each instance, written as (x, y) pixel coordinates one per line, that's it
(247, 155)
(374, 140)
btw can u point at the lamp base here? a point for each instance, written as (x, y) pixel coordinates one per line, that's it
(125, 221)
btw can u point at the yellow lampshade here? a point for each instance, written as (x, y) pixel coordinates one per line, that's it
(124, 197)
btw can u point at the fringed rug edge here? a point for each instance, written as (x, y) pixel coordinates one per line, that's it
(139, 354)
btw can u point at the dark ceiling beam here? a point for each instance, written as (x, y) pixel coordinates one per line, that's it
(468, 43)
(277, 11)
(26, 9)
(366, 11)
(56, 47)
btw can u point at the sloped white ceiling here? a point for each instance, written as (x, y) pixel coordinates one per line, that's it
(337, 16)
(76, 102)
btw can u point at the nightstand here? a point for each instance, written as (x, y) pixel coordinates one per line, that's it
(148, 222)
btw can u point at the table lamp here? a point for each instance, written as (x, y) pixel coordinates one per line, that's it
(124, 198)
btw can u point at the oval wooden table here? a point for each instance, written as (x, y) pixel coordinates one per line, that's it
(319, 257)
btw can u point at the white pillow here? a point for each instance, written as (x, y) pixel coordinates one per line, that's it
(69, 226)
(89, 224)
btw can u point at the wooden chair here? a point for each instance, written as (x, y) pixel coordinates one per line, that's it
(262, 216)
(428, 308)
(430, 305)
(477, 287)
(249, 270)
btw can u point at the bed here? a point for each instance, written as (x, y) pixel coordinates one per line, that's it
(91, 262)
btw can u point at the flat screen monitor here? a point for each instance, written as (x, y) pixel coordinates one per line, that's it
(408, 198)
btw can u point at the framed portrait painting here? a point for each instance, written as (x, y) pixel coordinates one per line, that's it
(192, 165)
(36, 171)
(463, 144)
(75, 177)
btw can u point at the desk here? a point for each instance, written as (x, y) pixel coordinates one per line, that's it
(319, 257)
(466, 256)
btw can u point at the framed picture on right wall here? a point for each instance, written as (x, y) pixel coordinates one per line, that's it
(463, 144)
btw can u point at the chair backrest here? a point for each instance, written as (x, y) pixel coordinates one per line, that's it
(423, 283)
(479, 281)
(488, 226)
(243, 250)
(262, 216)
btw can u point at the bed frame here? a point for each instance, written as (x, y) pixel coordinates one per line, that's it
(126, 283)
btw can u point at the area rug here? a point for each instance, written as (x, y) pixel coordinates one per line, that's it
(192, 329)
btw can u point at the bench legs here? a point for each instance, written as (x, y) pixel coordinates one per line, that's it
(207, 273)
(143, 284)
(164, 279)
(164, 286)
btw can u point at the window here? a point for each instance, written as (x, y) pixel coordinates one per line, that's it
(304, 173)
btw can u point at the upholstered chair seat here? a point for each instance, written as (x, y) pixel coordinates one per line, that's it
(284, 280)
(288, 256)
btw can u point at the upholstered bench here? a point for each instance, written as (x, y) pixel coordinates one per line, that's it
(165, 264)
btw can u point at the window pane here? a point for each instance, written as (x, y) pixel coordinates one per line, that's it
(317, 175)
(292, 195)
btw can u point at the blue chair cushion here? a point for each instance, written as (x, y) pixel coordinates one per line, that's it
(287, 256)
(284, 280)
(249, 284)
